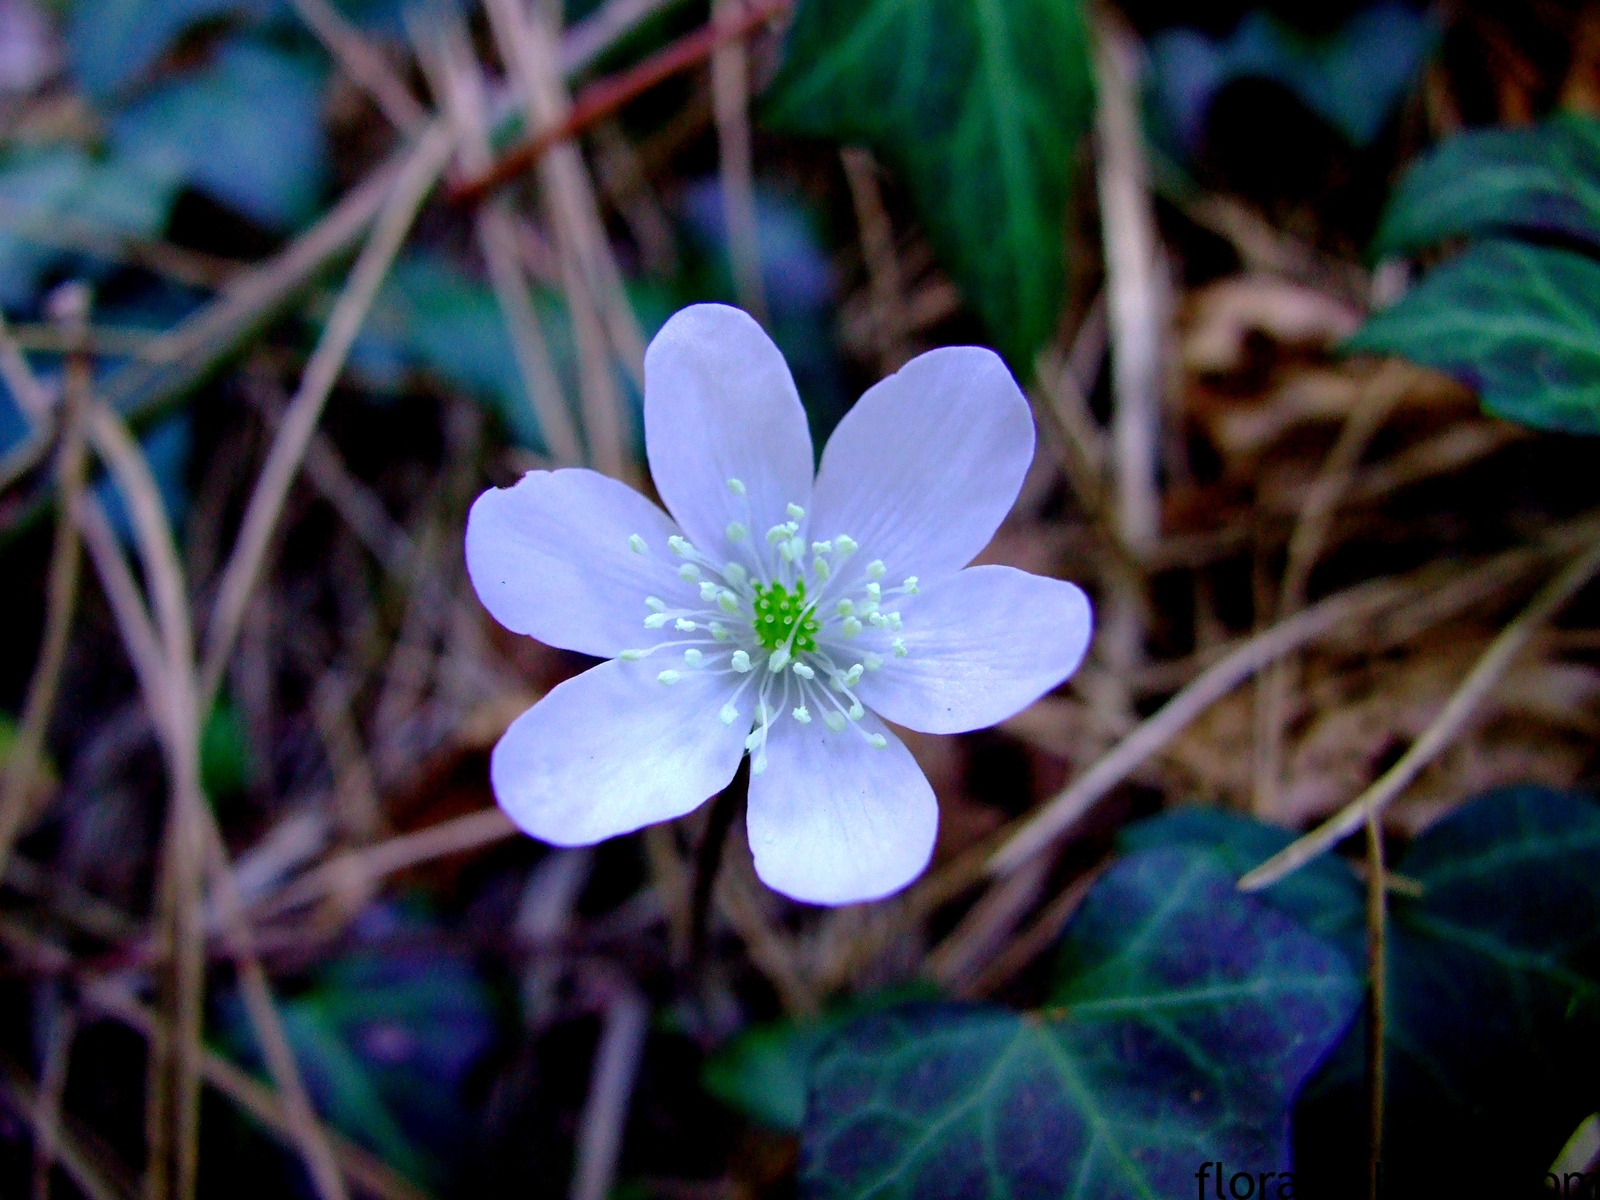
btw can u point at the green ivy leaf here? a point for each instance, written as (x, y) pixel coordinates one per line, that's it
(1519, 323)
(1189, 1014)
(979, 106)
(1494, 1007)
(1544, 179)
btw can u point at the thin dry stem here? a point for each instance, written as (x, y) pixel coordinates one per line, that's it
(364, 63)
(605, 1113)
(86, 1168)
(876, 235)
(730, 98)
(52, 1089)
(1458, 712)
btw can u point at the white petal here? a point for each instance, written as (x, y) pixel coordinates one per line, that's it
(834, 821)
(981, 647)
(612, 750)
(720, 404)
(550, 557)
(926, 465)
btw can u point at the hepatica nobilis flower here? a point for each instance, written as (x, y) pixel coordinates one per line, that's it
(772, 613)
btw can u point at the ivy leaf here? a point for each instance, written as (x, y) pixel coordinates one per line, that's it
(1188, 1016)
(978, 106)
(1519, 323)
(1494, 1007)
(1543, 180)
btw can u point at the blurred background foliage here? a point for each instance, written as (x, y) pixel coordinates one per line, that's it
(1307, 304)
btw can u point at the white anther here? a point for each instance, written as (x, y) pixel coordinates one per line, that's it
(856, 711)
(708, 590)
(728, 714)
(637, 543)
(852, 675)
(792, 526)
(874, 592)
(877, 741)
(778, 533)
(822, 547)
(877, 620)
(909, 587)
(718, 630)
(631, 655)
(758, 764)
(680, 546)
(797, 549)
(668, 677)
(753, 739)
(834, 721)
(804, 671)
(734, 573)
(737, 532)
(727, 601)
(876, 569)
(802, 714)
(795, 511)
(787, 550)
(845, 544)
(845, 608)
(689, 572)
(655, 620)
(899, 647)
(873, 661)
(763, 713)
(655, 603)
(694, 658)
(685, 625)
(779, 659)
(895, 623)
(851, 627)
(736, 487)
(741, 661)
(819, 567)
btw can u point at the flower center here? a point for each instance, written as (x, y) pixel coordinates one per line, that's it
(781, 618)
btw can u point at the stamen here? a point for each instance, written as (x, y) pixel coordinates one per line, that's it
(631, 655)
(694, 658)
(737, 532)
(822, 547)
(899, 647)
(787, 550)
(797, 549)
(877, 741)
(668, 677)
(734, 574)
(856, 711)
(655, 603)
(708, 590)
(753, 739)
(637, 543)
(845, 544)
(852, 627)
(655, 620)
(853, 675)
(689, 572)
(802, 714)
(895, 623)
(909, 587)
(778, 533)
(736, 487)
(779, 659)
(758, 764)
(876, 569)
(796, 512)
(874, 591)
(741, 661)
(877, 620)
(680, 546)
(728, 714)
(718, 630)
(845, 608)
(804, 671)
(819, 567)
(834, 721)
(684, 625)
(873, 661)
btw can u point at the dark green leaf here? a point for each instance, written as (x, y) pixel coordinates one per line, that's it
(112, 42)
(245, 128)
(979, 106)
(1544, 179)
(1519, 323)
(1188, 1016)
(1494, 994)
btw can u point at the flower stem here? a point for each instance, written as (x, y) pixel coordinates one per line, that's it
(708, 859)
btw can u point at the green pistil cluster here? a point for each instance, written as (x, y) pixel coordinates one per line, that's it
(777, 611)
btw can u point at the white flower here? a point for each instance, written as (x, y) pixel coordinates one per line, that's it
(776, 615)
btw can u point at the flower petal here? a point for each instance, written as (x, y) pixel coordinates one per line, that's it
(720, 404)
(926, 465)
(612, 750)
(982, 647)
(834, 821)
(550, 557)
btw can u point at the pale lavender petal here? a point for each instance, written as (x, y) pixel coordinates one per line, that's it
(981, 646)
(550, 557)
(613, 750)
(834, 821)
(720, 404)
(926, 465)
